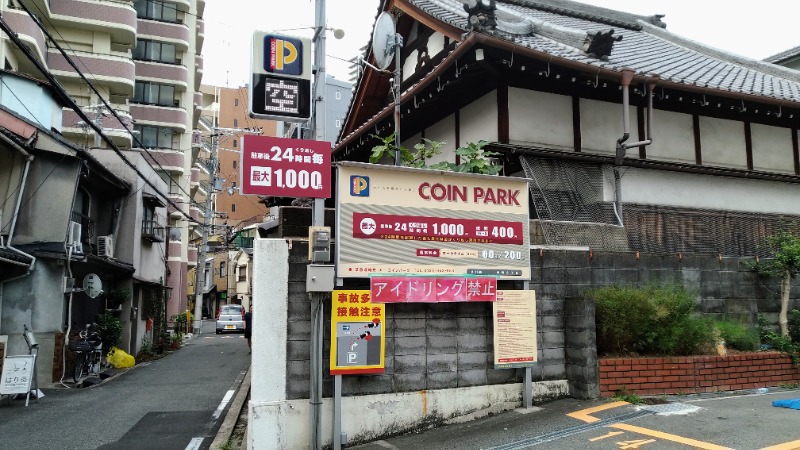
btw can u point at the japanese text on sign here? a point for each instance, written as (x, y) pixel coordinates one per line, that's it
(285, 167)
(357, 333)
(433, 289)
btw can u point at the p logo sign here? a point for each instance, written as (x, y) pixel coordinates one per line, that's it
(359, 186)
(283, 55)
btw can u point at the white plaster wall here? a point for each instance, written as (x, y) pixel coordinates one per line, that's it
(673, 137)
(286, 425)
(772, 148)
(653, 187)
(435, 44)
(478, 120)
(270, 315)
(539, 118)
(722, 143)
(602, 125)
(409, 64)
(443, 131)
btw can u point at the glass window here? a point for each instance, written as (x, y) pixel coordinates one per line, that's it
(154, 51)
(157, 10)
(235, 142)
(236, 102)
(233, 207)
(222, 271)
(235, 123)
(154, 137)
(234, 163)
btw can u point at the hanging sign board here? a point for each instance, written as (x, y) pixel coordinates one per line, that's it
(398, 221)
(358, 344)
(514, 315)
(280, 167)
(17, 374)
(281, 76)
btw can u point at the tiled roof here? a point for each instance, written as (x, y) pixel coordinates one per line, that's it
(784, 55)
(645, 47)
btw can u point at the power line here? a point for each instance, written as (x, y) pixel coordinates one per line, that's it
(90, 84)
(66, 98)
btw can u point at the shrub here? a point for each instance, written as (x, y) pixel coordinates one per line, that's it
(794, 326)
(656, 319)
(737, 335)
(110, 328)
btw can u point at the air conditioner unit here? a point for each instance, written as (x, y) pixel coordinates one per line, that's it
(74, 237)
(105, 246)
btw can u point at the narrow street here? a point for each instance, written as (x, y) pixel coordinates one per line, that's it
(175, 402)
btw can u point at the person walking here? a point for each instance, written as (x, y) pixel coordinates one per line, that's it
(248, 328)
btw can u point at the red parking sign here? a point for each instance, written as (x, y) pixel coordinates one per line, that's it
(279, 167)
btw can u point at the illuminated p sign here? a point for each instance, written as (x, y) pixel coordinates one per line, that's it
(283, 55)
(359, 186)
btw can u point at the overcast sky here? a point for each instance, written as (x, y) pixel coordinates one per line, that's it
(757, 30)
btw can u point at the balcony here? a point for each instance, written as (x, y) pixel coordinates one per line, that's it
(201, 7)
(152, 231)
(115, 71)
(172, 161)
(115, 18)
(72, 126)
(29, 33)
(195, 179)
(161, 116)
(156, 72)
(201, 35)
(176, 33)
(196, 214)
(191, 255)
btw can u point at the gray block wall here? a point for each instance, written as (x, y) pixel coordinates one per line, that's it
(448, 345)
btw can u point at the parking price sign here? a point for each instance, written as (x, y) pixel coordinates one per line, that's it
(280, 167)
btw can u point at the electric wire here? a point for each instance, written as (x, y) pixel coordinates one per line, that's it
(69, 101)
(90, 84)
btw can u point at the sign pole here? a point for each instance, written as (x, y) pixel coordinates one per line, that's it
(527, 380)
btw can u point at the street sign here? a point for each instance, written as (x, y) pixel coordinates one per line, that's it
(281, 76)
(279, 167)
(358, 339)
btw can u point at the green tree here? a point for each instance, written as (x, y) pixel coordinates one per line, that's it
(786, 265)
(473, 158)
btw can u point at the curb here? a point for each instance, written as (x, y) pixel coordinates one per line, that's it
(226, 429)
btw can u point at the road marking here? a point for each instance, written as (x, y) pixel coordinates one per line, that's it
(385, 444)
(794, 445)
(669, 437)
(585, 416)
(634, 444)
(610, 434)
(194, 444)
(222, 404)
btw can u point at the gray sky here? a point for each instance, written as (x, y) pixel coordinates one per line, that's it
(762, 29)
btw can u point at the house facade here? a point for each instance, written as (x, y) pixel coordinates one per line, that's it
(650, 158)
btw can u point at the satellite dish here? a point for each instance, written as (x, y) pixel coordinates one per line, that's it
(383, 41)
(92, 285)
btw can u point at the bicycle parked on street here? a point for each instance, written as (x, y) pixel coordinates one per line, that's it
(89, 351)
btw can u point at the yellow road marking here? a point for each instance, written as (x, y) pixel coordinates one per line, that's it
(635, 444)
(610, 434)
(794, 445)
(669, 437)
(585, 416)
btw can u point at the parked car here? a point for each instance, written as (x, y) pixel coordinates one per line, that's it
(230, 318)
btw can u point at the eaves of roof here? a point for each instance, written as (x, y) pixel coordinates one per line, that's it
(783, 56)
(652, 53)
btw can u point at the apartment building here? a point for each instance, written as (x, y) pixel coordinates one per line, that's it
(134, 69)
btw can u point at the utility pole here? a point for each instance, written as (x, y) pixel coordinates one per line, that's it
(208, 220)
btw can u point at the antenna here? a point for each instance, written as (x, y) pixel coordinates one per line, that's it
(386, 43)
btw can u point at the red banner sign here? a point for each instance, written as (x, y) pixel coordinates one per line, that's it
(432, 289)
(420, 228)
(279, 167)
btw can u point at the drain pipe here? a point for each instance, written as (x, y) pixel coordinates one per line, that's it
(622, 144)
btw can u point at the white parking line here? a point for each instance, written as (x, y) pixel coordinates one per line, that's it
(194, 444)
(222, 404)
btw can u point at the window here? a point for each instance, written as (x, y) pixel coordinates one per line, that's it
(233, 207)
(236, 102)
(154, 51)
(157, 10)
(235, 123)
(153, 94)
(154, 137)
(338, 95)
(338, 123)
(235, 163)
(242, 273)
(222, 271)
(235, 143)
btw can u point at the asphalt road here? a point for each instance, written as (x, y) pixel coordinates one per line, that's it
(715, 422)
(176, 402)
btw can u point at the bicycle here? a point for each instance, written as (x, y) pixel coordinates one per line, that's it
(89, 350)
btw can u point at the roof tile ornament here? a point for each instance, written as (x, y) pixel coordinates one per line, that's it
(481, 15)
(600, 44)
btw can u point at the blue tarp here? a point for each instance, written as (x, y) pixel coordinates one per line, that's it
(793, 403)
